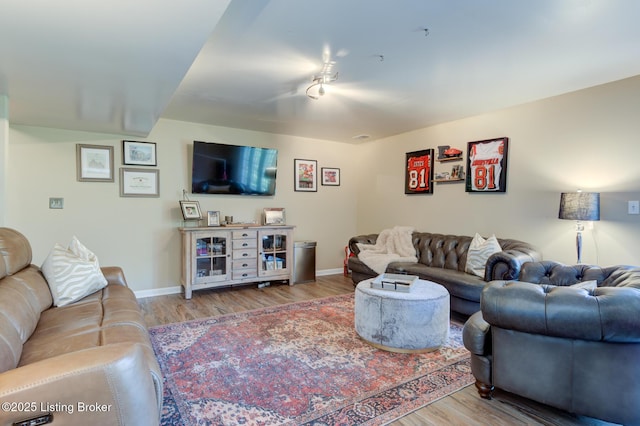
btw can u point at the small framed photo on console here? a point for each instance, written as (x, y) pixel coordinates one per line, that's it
(190, 210)
(274, 216)
(213, 218)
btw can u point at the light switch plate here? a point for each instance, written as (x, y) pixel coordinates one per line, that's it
(633, 207)
(56, 203)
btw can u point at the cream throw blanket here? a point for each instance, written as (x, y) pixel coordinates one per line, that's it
(392, 245)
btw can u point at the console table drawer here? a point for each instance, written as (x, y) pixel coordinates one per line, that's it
(245, 264)
(245, 273)
(240, 235)
(244, 254)
(245, 244)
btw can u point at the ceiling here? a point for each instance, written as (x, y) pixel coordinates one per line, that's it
(117, 67)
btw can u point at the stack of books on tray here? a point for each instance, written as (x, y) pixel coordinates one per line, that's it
(394, 282)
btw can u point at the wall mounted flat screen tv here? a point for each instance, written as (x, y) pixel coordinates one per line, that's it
(233, 169)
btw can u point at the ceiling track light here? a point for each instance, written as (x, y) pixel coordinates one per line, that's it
(318, 82)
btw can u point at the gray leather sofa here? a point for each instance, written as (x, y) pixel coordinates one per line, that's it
(442, 259)
(548, 340)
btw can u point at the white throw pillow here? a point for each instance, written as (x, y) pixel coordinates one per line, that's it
(479, 252)
(72, 273)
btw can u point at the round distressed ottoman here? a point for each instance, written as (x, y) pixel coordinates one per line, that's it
(417, 321)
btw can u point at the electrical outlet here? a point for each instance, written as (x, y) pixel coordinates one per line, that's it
(56, 203)
(633, 207)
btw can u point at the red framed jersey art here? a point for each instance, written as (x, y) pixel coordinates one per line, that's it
(487, 165)
(419, 172)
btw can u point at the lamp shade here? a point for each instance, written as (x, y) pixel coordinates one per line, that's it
(579, 206)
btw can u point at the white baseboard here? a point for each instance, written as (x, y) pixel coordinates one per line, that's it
(330, 272)
(141, 294)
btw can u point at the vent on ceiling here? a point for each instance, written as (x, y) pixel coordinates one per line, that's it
(361, 137)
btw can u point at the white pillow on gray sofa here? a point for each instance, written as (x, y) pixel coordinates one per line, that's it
(72, 273)
(479, 252)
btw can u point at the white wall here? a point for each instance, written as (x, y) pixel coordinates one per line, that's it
(587, 140)
(4, 149)
(141, 234)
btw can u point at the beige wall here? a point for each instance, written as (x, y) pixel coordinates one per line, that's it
(141, 234)
(587, 140)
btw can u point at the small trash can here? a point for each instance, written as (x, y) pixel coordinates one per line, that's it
(304, 261)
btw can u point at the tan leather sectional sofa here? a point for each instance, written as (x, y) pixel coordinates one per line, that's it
(87, 363)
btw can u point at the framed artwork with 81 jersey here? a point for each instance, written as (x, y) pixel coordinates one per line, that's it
(419, 172)
(487, 165)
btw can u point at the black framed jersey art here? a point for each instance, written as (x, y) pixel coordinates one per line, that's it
(419, 172)
(487, 165)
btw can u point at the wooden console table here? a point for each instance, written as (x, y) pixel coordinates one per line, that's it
(232, 255)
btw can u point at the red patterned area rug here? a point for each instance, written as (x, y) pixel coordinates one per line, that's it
(297, 364)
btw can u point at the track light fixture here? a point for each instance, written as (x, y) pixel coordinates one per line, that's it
(316, 89)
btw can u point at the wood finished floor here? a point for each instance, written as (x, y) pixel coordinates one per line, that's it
(464, 407)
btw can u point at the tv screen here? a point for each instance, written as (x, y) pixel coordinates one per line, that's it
(232, 169)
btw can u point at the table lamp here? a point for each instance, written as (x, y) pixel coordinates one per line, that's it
(579, 206)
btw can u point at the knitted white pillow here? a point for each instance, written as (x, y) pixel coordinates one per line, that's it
(72, 273)
(479, 252)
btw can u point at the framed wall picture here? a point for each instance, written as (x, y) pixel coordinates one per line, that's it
(306, 175)
(94, 163)
(419, 172)
(330, 176)
(190, 210)
(139, 153)
(487, 165)
(139, 182)
(213, 218)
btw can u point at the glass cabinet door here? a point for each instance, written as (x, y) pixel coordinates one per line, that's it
(212, 258)
(273, 254)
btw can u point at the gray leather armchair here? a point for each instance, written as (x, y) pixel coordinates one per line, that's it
(551, 338)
